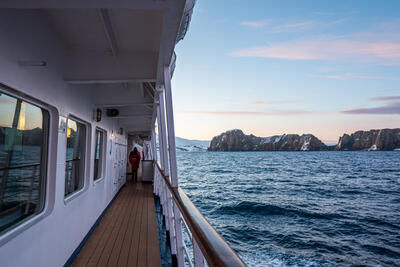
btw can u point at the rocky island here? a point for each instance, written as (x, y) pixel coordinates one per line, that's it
(236, 140)
(384, 139)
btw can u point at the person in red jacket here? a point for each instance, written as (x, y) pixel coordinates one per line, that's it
(134, 159)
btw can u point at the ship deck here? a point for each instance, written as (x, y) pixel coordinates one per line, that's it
(127, 234)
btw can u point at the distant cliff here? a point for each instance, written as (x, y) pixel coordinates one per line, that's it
(384, 139)
(236, 140)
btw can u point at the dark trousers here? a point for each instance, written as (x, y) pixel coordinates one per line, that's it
(134, 175)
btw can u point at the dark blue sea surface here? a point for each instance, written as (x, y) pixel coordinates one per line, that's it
(300, 208)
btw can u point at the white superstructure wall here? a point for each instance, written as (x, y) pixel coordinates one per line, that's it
(50, 238)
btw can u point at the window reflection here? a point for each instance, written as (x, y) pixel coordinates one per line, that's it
(98, 154)
(75, 159)
(23, 146)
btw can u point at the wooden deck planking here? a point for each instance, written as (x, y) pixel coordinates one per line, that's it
(131, 237)
(98, 233)
(127, 235)
(142, 250)
(117, 249)
(118, 232)
(94, 258)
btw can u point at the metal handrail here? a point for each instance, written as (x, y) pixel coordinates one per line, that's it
(214, 248)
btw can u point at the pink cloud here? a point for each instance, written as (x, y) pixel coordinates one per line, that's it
(266, 103)
(276, 26)
(388, 109)
(252, 113)
(381, 52)
(385, 98)
(262, 103)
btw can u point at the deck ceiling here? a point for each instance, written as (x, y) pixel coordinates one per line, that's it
(108, 45)
(134, 101)
(115, 49)
(116, 53)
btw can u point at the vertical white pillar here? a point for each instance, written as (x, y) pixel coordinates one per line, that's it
(153, 148)
(164, 153)
(161, 133)
(171, 127)
(154, 144)
(162, 125)
(173, 168)
(163, 161)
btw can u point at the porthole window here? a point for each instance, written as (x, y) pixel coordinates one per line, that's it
(98, 154)
(75, 159)
(23, 156)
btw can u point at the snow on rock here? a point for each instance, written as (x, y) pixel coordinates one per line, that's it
(305, 146)
(236, 140)
(379, 139)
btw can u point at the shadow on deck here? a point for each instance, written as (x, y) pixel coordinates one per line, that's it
(127, 234)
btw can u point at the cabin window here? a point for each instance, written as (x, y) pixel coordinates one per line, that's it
(23, 153)
(98, 154)
(75, 160)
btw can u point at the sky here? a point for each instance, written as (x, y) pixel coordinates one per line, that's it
(294, 67)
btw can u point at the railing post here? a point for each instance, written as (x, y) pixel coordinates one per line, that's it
(172, 160)
(164, 153)
(198, 256)
(164, 164)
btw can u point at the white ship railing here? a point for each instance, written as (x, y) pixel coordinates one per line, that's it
(208, 248)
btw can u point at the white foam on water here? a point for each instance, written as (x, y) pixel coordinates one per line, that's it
(273, 259)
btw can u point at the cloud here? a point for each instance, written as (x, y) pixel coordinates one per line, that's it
(321, 13)
(255, 24)
(294, 26)
(387, 109)
(385, 98)
(380, 52)
(262, 103)
(266, 103)
(338, 21)
(252, 113)
(277, 26)
(346, 76)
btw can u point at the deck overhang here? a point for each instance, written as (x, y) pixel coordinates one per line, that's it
(114, 50)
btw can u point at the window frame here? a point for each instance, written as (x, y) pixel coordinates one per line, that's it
(48, 165)
(86, 155)
(103, 154)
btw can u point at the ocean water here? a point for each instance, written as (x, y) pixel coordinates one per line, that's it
(300, 208)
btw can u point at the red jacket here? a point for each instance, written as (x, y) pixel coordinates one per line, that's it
(134, 160)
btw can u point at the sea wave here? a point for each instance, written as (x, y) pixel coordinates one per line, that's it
(300, 209)
(249, 208)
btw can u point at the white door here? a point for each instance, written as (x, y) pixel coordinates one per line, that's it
(115, 168)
